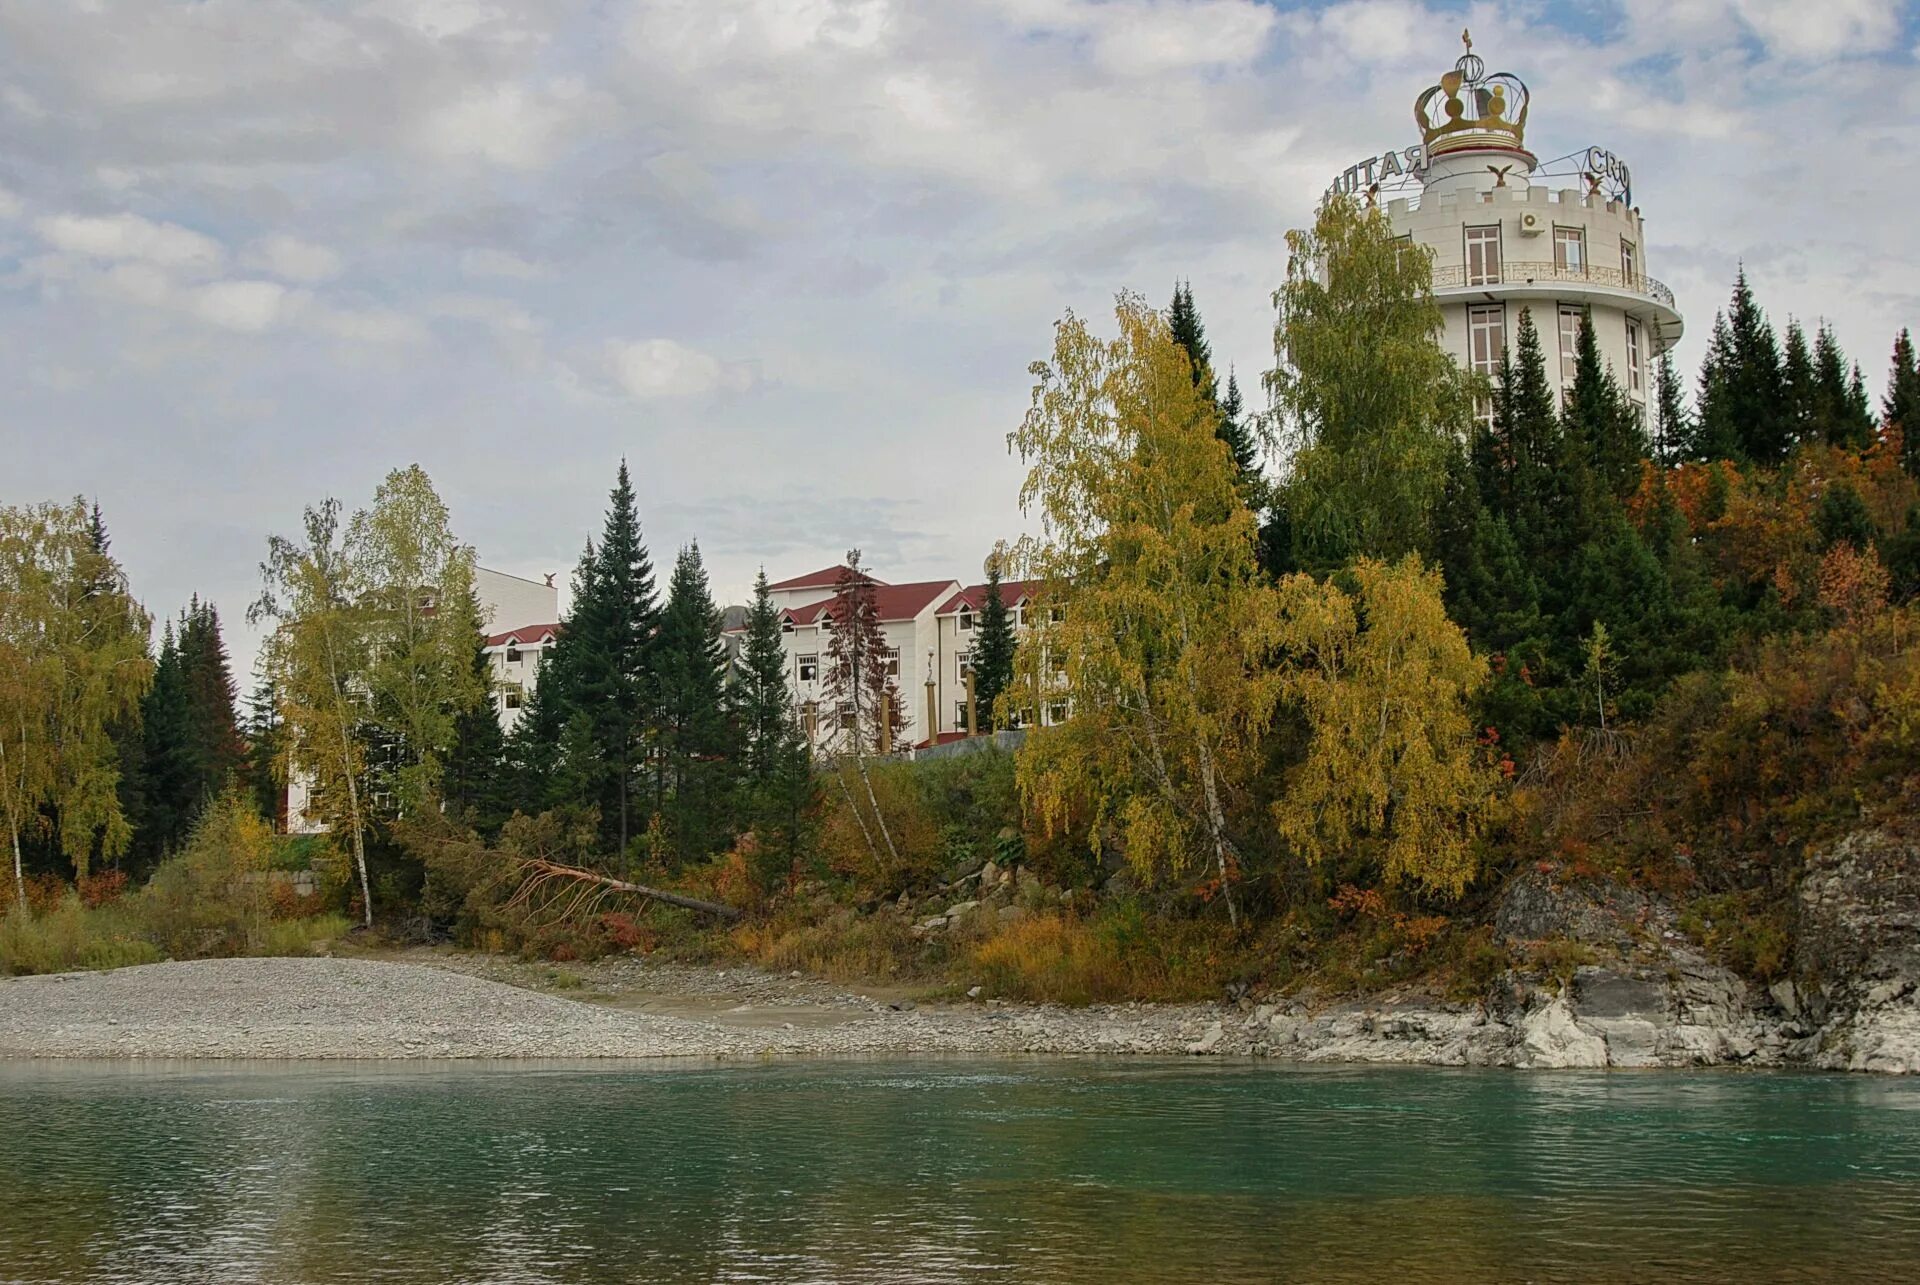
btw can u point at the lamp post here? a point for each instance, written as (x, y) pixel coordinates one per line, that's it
(933, 721)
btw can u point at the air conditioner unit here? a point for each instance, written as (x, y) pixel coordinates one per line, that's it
(1530, 224)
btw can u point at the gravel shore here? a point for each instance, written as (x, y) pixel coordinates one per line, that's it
(439, 1003)
(450, 1005)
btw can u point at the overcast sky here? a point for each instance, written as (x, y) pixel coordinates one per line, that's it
(790, 257)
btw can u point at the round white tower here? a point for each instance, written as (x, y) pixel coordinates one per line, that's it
(1504, 239)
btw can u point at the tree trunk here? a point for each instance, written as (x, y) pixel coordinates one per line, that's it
(554, 870)
(13, 831)
(878, 819)
(872, 848)
(1217, 831)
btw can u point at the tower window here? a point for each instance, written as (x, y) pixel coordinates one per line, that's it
(1486, 343)
(1636, 371)
(1483, 255)
(1629, 262)
(1571, 319)
(1570, 250)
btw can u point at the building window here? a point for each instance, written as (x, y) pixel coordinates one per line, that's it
(892, 656)
(1486, 337)
(513, 655)
(1057, 712)
(1483, 255)
(809, 667)
(1570, 250)
(786, 626)
(1636, 371)
(1056, 614)
(963, 665)
(960, 715)
(966, 620)
(512, 695)
(1486, 344)
(1629, 262)
(846, 718)
(1571, 320)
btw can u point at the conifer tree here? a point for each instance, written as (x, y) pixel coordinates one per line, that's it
(1901, 406)
(1672, 431)
(993, 648)
(594, 708)
(263, 749)
(1743, 396)
(776, 779)
(1841, 415)
(217, 748)
(694, 731)
(1183, 319)
(1806, 423)
(761, 696)
(169, 780)
(473, 782)
(1714, 436)
(861, 696)
(1603, 422)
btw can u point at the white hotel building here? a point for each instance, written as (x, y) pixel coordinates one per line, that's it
(1505, 238)
(929, 627)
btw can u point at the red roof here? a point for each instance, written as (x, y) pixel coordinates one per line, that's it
(825, 578)
(1012, 593)
(523, 635)
(890, 601)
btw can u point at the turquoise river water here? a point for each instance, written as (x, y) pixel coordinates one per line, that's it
(1041, 1170)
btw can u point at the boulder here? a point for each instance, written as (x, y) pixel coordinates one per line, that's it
(1550, 1036)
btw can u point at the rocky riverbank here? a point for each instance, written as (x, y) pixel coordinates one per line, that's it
(1646, 998)
(448, 1005)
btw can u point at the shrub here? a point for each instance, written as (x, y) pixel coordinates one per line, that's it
(1118, 954)
(70, 936)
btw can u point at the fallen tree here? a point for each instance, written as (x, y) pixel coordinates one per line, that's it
(590, 888)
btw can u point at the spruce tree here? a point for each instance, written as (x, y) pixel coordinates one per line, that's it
(993, 648)
(263, 748)
(762, 699)
(1743, 395)
(217, 747)
(1183, 319)
(473, 782)
(1901, 406)
(168, 790)
(1806, 423)
(1714, 435)
(1601, 420)
(694, 731)
(597, 692)
(1841, 416)
(776, 783)
(1672, 431)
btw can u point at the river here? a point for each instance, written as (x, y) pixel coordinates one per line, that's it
(931, 1170)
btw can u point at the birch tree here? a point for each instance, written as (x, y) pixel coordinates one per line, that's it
(1153, 622)
(317, 662)
(414, 597)
(73, 664)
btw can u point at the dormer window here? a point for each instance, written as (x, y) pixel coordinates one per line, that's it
(513, 655)
(966, 620)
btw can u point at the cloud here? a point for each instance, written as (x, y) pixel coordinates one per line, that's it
(129, 236)
(647, 369)
(273, 247)
(246, 306)
(292, 259)
(1835, 27)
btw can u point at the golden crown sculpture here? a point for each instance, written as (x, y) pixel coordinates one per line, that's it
(1469, 109)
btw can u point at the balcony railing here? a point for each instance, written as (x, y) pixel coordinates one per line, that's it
(1526, 273)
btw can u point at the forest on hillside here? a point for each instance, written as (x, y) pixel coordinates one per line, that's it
(1321, 711)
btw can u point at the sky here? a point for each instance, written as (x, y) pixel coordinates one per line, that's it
(791, 259)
